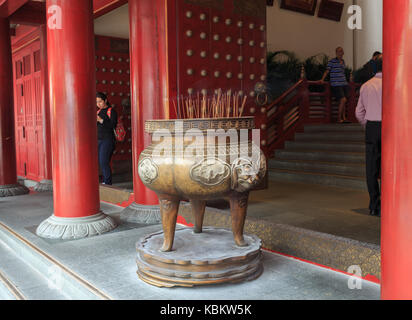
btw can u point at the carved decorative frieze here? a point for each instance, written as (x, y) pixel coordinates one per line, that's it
(201, 124)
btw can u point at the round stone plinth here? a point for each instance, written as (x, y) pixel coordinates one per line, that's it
(44, 186)
(11, 190)
(137, 213)
(75, 228)
(206, 258)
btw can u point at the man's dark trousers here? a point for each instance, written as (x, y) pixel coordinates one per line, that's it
(373, 162)
(106, 148)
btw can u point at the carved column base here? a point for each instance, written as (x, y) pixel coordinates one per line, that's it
(10, 190)
(44, 186)
(75, 228)
(137, 213)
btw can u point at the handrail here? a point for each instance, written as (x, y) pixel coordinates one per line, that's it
(282, 107)
(317, 82)
(285, 94)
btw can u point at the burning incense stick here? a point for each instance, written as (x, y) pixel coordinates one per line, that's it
(220, 105)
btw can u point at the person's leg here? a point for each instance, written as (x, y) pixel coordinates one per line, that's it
(113, 147)
(106, 152)
(342, 104)
(100, 154)
(338, 94)
(379, 146)
(342, 109)
(372, 165)
(346, 96)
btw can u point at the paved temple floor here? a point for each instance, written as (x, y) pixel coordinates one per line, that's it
(337, 211)
(107, 262)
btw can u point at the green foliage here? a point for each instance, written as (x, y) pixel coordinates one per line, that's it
(283, 65)
(284, 69)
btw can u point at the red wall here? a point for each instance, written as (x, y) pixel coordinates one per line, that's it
(207, 45)
(112, 74)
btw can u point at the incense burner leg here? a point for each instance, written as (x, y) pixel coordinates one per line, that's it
(238, 210)
(169, 206)
(198, 210)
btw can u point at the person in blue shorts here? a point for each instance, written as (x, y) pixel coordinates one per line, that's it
(339, 84)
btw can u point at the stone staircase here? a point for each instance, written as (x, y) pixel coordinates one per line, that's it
(28, 273)
(326, 154)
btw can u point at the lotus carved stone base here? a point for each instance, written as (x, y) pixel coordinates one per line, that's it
(136, 213)
(44, 186)
(11, 190)
(75, 228)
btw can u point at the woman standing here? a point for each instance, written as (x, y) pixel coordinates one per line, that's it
(106, 124)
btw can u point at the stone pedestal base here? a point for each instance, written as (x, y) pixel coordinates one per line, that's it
(207, 258)
(137, 213)
(44, 186)
(11, 190)
(75, 228)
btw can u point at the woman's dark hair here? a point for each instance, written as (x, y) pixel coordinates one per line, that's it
(102, 96)
(377, 53)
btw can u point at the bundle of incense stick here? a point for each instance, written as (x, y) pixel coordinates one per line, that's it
(220, 105)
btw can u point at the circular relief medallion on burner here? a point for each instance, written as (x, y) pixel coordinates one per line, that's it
(148, 171)
(210, 172)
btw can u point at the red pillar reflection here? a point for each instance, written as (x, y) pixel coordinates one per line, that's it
(8, 174)
(72, 103)
(149, 85)
(396, 243)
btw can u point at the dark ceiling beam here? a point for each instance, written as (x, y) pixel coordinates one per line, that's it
(32, 13)
(8, 7)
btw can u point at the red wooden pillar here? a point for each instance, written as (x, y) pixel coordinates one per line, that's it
(149, 92)
(396, 237)
(47, 183)
(8, 173)
(71, 63)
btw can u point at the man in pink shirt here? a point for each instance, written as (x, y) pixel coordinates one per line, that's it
(369, 114)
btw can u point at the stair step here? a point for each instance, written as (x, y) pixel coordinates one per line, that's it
(351, 127)
(7, 290)
(324, 154)
(330, 136)
(35, 271)
(340, 181)
(320, 155)
(357, 170)
(324, 145)
(22, 281)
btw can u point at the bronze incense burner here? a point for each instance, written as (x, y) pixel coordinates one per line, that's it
(185, 161)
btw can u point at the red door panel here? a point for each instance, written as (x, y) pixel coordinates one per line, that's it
(28, 113)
